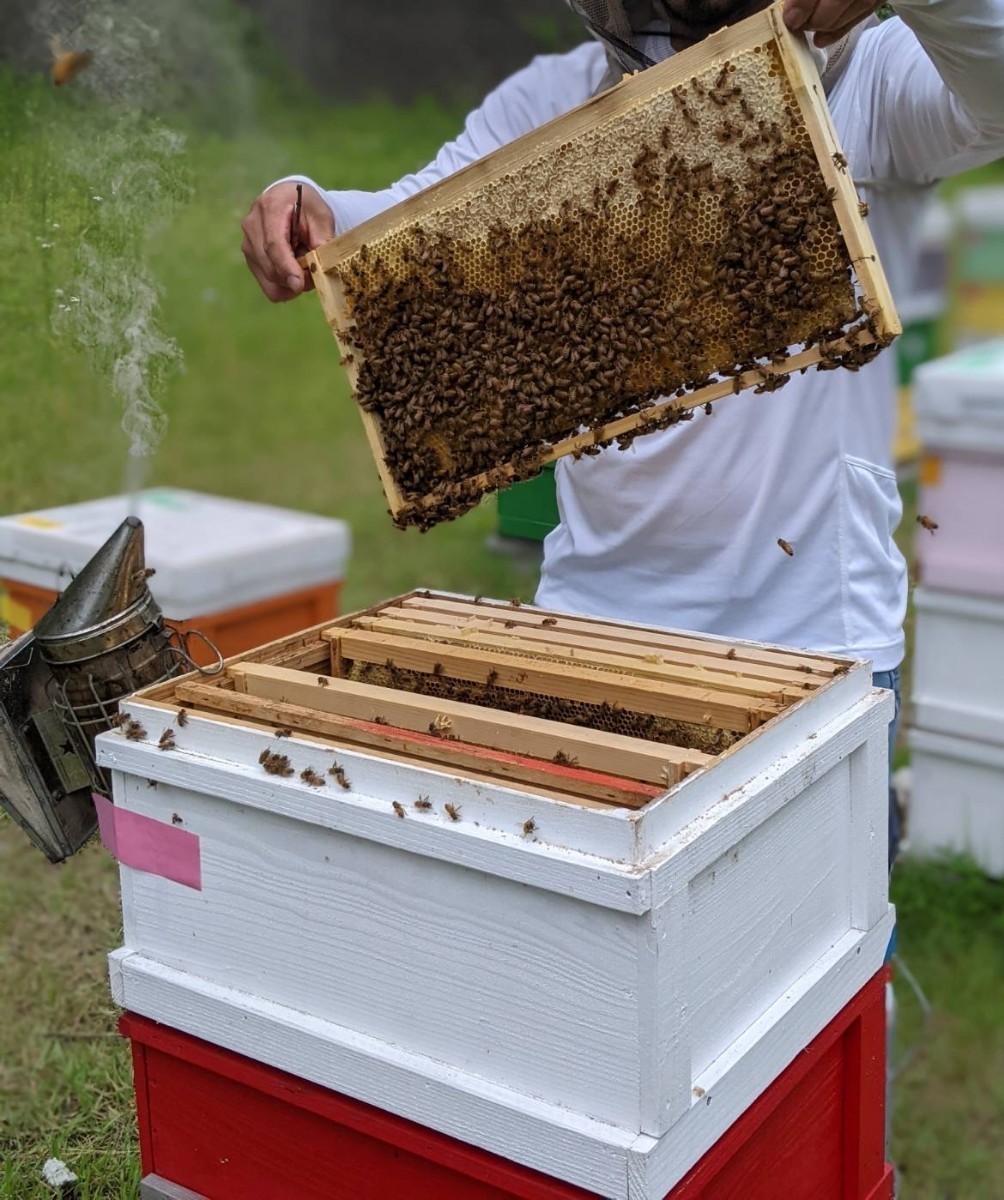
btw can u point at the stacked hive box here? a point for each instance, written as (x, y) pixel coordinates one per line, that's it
(238, 573)
(957, 798)
(486, 901)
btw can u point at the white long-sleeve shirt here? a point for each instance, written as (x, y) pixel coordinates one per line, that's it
(682, 528)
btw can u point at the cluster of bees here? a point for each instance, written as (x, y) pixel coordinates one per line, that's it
(476, 357)
(613, 718)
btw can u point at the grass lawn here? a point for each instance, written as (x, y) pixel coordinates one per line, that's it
(262, 413)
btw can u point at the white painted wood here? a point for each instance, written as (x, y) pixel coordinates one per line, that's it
(868, 832)
(957, 798)
(959, 665)
(729, 814)
(612, 1162)
(489, 835)
(735, 1079)
(760, 912)
(451, 962)
(549, 1137)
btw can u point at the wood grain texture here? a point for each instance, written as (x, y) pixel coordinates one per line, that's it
(700, 705)
(631, 757)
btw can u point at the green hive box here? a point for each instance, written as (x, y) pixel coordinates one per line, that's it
(530, 509)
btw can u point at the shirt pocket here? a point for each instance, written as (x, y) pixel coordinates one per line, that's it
(872, 567)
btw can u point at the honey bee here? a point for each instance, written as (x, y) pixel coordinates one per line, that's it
(927, 523)
(423, 804)
(67, 64)
(310, 776)
(437, 668)
(276, 764)
(398, 808)
(282, 733)
(339, 774)
(786, 547)
(119, 720)
(322, 681)
(134, 731)
(515, 602)
(151, 783)
(840, 161)
(176, 819)
(565, 760)
(440, 726)
(508, 624)
(167, 741)
(549, 621)
(529, 826)
(708, 410)
(452, 811)
(182, 717)
(492, 678)
(731, 653)
(863, 208)
(380, 721)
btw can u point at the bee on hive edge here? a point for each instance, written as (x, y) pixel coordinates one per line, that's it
(423, 804)
(398, 808)
(786, 547)
(452, 811)
(167, 741)
(182, 717)
(529, 826)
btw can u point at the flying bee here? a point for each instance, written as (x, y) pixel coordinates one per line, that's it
(398, 808)
(309, 775)
(67, 64)
(452, 811)
(786, 547)
(529, 826)
(167, 741)
(927, 523)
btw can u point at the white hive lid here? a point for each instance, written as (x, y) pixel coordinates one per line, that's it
(210, 553)
(959, 399)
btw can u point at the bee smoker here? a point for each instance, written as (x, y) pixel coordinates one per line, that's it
(60, 685)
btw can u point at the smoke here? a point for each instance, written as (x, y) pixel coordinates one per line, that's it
(154, 67)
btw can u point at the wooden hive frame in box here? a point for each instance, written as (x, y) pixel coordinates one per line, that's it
(573, 709)
(666, 244)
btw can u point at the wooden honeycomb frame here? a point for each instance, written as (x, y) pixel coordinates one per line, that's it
(819, 284)
(573, 708)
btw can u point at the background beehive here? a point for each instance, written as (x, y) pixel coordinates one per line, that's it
(677, 237)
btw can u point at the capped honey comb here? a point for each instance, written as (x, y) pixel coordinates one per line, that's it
(689, 234)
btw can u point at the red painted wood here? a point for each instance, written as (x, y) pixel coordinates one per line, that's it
(229, 1128)
(223, 1122)
(564, 774)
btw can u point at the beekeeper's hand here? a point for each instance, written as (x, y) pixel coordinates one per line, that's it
(829, 20)
(271, 244)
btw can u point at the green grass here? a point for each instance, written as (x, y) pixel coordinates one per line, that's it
(261, 412)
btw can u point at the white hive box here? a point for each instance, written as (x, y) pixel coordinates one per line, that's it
(209, 552)
(958, 684)
(957, 798)
(592, 990)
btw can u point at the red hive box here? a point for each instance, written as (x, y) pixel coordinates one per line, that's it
(228, 1128)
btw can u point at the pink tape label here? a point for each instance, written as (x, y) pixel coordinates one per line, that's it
(148, 845)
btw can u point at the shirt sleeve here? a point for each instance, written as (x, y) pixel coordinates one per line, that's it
(551, 85)
(930, 90)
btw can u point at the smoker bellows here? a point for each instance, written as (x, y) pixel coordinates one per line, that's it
(661, 247)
